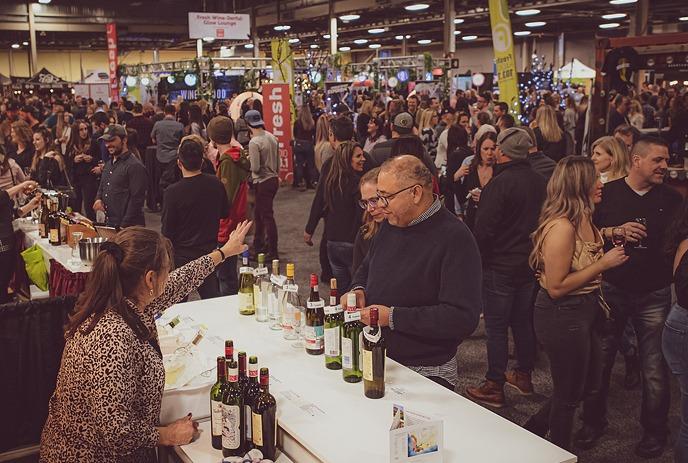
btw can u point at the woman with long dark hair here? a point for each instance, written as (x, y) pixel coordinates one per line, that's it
(48, 167)
(106, 405)
(196, 123)
(336, 200)
(81, 161)
(470, 179)
(376, 129)
(373, 216)
(675, 334)
(305, 175)
(457, 151)
(568, 256)
(22, 137)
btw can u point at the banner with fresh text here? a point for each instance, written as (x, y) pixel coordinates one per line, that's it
(111, 32)
(503, 44)
(277, 118)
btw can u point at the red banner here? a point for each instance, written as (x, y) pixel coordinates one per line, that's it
(111, 30)
(277, 117)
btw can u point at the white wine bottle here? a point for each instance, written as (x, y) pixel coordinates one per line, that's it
(246, 306)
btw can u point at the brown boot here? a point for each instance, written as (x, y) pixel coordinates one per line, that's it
(488, 393)
(520, 381)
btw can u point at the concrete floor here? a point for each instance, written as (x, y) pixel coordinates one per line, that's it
(291, 210)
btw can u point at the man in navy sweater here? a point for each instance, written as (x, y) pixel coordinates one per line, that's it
(422, 272)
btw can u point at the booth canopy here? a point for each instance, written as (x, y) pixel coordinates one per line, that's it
(96, 77)
(46, 79)
(576, 70)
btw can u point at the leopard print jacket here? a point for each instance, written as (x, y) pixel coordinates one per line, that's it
(106, 405)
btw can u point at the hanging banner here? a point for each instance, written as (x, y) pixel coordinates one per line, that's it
(277, 118)
(219, 26)
(111, 31)
(503, 44)
(283, 67)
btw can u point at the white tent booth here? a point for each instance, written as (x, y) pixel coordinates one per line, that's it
(95, 85)
(575, 69)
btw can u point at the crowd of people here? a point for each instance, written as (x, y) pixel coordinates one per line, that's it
(435, 211)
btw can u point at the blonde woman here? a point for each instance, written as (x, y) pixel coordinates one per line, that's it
(610, 158)
(568, 256)
(549, 135)
(323, 147)
(635, 115)
(428, 120)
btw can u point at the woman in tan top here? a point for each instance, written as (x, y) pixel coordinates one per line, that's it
(568, 255)
(106, 405)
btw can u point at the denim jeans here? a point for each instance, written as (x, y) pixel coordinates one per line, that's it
(304, 164)
(227, 278)
(568, 329)
(341, 256)
(508, 302)
(675, 348)
(648, 312)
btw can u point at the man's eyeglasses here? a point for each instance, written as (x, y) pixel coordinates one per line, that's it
(371, 203)
(384, 200)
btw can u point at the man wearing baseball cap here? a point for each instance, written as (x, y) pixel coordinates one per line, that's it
(403, 127)
(122, 189)
(508, 214)
(263, 152)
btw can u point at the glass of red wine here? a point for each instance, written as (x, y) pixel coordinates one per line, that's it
(619, 236)
(641, 221)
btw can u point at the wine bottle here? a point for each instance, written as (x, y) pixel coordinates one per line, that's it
(315, 320)
(246, 306)
(54, 228)
(373, 358)
(351, 334)
(275, 296)
(43, 224)
(290, 304)
(250, 395)
(229, 350)
(333, 323)
(243, 378)
(259, 298)
(264, 418)
(233, 415)
(216, 393)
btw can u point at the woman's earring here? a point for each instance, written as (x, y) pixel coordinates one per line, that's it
(150, 292)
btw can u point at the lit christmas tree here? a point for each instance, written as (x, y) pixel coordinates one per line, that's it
(540, 81)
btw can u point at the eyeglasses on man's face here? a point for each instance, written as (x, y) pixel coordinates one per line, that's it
(383, 200)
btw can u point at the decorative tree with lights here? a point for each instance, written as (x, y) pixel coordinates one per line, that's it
(532, 90)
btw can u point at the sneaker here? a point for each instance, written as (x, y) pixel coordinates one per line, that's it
(489, 393)
(650, 446)
(521, 381)
(587, 437)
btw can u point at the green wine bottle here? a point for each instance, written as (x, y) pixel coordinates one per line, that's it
(250, 394)
(264, 418)
(351, 339)
(233, 444)
(216, 393)
(333, 323)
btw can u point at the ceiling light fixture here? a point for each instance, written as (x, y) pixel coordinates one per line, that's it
(314, 46)
(344, 48)
(44, 2)
(282, 27)
(521, 33)
(294, 40)
(327, 36)
(26, 44)
(614, 16)
(350, 17)
(424, 42)
(376, 30)
(399, 37)
(622, 2)
(15, 45)
(360, 41)
(457, 32)
(458, 20)
(374, 45)
(683, 18)
(469, 37)
(609, 25)
(536, 24)
(248, 45)
(209, 39)
(530, 12)
(417, 7)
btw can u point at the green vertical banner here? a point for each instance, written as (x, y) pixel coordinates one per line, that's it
(503, 44)
(283, 68)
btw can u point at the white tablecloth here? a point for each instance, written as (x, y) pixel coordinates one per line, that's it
(62, 253)
(321, 417)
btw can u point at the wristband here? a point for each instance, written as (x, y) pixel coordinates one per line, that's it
(222, 254)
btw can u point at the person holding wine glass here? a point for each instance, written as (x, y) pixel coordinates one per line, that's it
(82, 157)
(639, 291)
(106, 405)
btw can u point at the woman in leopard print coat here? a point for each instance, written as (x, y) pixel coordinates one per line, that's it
(106, 405)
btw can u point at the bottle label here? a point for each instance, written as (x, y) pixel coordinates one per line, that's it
(291, 288)
(247, 422)
(347, 353)
(278, 280)
(352, 316)
(333, 309)
(367, 365)
(252, 373)
(216, 417)
(260, 271)
(246, 301)
(231, 420)
(332, 342)
(54, 235)
(314, 337)
(372, 337)
(245, 270)
(315, 305)
(257, 424)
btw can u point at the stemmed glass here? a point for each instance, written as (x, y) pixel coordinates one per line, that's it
(299, 324)
(641, 221)
(76, 237)
(619, 236)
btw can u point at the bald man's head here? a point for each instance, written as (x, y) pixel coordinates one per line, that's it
(408, 169)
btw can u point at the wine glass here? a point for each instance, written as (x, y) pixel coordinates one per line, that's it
(619, 236)
(299, 324)
(76, 237)
(641, 221)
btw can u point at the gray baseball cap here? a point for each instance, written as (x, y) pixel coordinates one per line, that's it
(253, 118)
(514, 143)
(403, 123)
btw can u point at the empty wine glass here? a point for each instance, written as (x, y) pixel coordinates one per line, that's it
(76, 237)
(299, 324)
(641, 221)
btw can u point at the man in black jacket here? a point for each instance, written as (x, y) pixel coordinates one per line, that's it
(508, 214)
(422, 272)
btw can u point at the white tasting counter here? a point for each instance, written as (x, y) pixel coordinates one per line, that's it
(322, 418)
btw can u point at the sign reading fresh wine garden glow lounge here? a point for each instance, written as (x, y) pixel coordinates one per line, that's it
(220, 26)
